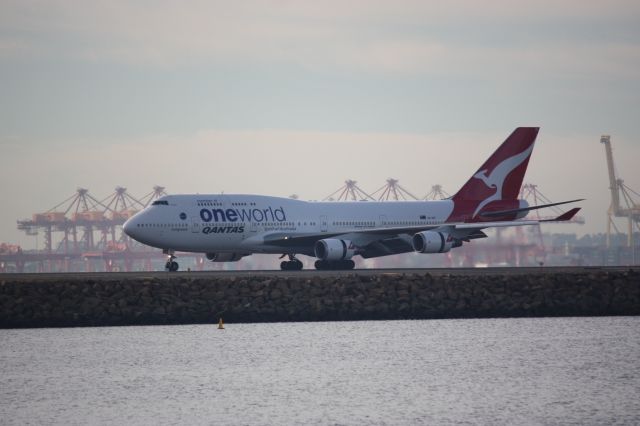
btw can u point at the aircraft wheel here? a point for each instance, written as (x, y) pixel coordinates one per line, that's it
(173, 266)
(321, 265)
(292, 265)
(335, 265)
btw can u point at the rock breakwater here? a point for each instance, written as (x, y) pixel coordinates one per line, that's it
(190, 299)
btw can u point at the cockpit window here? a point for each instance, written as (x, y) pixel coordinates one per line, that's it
(160, 203)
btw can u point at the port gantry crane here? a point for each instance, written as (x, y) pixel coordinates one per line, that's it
(630, 210)
(350, 191)
(437, 193)
(393, 191)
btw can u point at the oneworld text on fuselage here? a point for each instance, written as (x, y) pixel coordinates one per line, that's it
(268, 214)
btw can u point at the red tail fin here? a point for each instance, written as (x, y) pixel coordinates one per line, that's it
(500, 177)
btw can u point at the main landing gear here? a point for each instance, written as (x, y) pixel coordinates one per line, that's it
(292, 264)
(335, 265)
(171, 265)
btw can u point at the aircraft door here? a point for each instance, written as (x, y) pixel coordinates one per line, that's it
(383, 220)
(323, 224)
(195, 225)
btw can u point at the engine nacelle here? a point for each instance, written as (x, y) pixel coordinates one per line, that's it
(433, 242)
(334, 249)
(225, 257)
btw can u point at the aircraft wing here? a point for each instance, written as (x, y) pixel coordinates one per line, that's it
(395, 240)
(366, 236)
(287, 240)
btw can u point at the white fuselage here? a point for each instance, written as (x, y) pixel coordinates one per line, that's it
(241, 223)
(228, 227)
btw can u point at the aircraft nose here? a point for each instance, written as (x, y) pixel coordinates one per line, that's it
(128, 227)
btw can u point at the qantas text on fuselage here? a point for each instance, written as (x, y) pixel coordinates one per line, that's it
(227, 227)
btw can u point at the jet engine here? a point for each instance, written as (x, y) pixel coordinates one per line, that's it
(225, 257)
(433, 242)
(334, 249)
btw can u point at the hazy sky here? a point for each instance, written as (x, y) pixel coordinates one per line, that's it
(283, 97)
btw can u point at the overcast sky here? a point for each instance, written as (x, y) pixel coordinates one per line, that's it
(283, 97)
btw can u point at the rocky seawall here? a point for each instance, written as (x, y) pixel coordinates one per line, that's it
(190, 299)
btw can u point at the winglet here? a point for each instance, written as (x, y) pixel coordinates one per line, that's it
(565, 216)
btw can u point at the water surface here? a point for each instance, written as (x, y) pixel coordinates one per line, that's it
(486, 371)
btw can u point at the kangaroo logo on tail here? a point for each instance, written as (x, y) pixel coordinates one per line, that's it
(498, 179)
(498, 175)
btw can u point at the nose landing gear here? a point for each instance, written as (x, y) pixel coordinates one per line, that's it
(292, 264)
(171, 265)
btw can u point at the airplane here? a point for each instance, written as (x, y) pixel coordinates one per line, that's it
(228, 227)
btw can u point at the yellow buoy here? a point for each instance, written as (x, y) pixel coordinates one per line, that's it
(220, 324)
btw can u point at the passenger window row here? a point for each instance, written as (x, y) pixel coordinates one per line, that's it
(354, 223)
(162, 225)
(214, 203)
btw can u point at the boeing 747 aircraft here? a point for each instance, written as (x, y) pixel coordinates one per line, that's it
(228, 227)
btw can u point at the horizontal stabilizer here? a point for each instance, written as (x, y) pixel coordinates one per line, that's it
(526, 209)
(564, 217)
